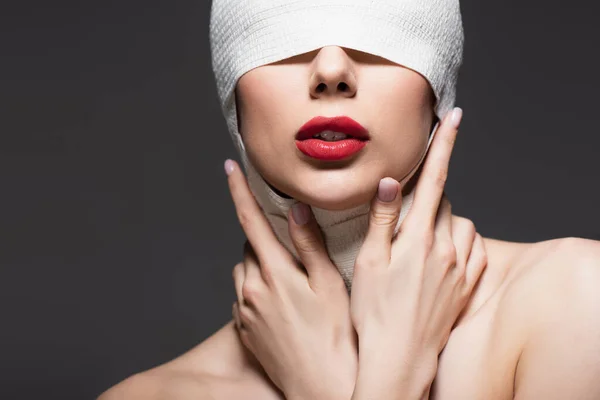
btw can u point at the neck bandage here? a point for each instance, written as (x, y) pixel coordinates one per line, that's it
(423, 35)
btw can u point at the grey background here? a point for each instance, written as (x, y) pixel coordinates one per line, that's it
(118, 232)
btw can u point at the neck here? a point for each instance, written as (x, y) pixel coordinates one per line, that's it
(343, 231)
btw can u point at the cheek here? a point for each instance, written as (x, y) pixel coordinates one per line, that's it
(404, 91)
(267, 124)
(402, 119)
(270, 108)
(269, 90)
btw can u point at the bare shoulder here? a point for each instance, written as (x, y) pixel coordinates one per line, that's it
(562, 269)
(564, 282)
(552, 302)
(137, 386)
(529, 286)
(160, 383)
(217, 368)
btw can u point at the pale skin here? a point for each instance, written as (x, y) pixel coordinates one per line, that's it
(494, 319)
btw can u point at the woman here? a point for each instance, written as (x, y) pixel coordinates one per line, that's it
(435, 309)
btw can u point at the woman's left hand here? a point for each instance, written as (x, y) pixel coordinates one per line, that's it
(295, 322)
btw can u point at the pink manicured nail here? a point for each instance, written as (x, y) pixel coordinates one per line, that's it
(456, 117)
(387, 190)
(229, 166)
(301, 213)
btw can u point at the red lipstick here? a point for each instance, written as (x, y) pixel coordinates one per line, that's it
(310, 142)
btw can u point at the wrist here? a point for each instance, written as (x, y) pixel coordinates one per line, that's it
(389, 385)
(315, 394)
(321, 388)
(396, 369)
(319, 396)
(330, 377)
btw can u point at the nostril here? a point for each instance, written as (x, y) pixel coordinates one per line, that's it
(320, 87)
(342, 86)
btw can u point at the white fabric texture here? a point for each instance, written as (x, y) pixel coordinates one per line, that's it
(423, 35)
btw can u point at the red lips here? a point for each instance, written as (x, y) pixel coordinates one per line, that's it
(331, 150)
(341, 124)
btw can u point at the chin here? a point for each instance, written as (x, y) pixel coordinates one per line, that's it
(333, 194)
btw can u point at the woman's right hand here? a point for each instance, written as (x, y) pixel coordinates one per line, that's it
(407, 293)
(293, 316)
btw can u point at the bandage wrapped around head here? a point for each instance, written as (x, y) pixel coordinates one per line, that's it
(423, 35)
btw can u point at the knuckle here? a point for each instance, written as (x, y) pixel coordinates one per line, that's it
(251, 291)
(306, 243)
(269, 274)
(470, 227)
(447, 253)
(384, 216)
(466, 224)
(458, 220)
(466, 228)
(366, 261)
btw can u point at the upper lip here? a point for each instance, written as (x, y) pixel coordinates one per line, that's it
(341, 124)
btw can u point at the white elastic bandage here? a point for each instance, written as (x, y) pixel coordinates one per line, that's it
(423, 35)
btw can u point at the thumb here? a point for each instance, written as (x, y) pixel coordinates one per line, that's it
(383, 217)
(308, 241)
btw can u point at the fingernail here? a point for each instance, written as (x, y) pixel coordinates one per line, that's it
(456, 117)
(301, 213)
(229, 166)
(387, 190)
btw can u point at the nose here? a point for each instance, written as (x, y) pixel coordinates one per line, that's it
(333, 74)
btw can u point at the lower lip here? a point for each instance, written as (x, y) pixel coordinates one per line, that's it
(330, 151)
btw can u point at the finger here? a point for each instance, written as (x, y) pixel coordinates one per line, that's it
(308, 241)
(236, 316)
(443, 246)
(476, 264)
(443, 222)
(254, 288)
(243, 333)
(253, 273)
(463, 236)
(430, 185)
(250, 215)
(383, 217)
(238, 281)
